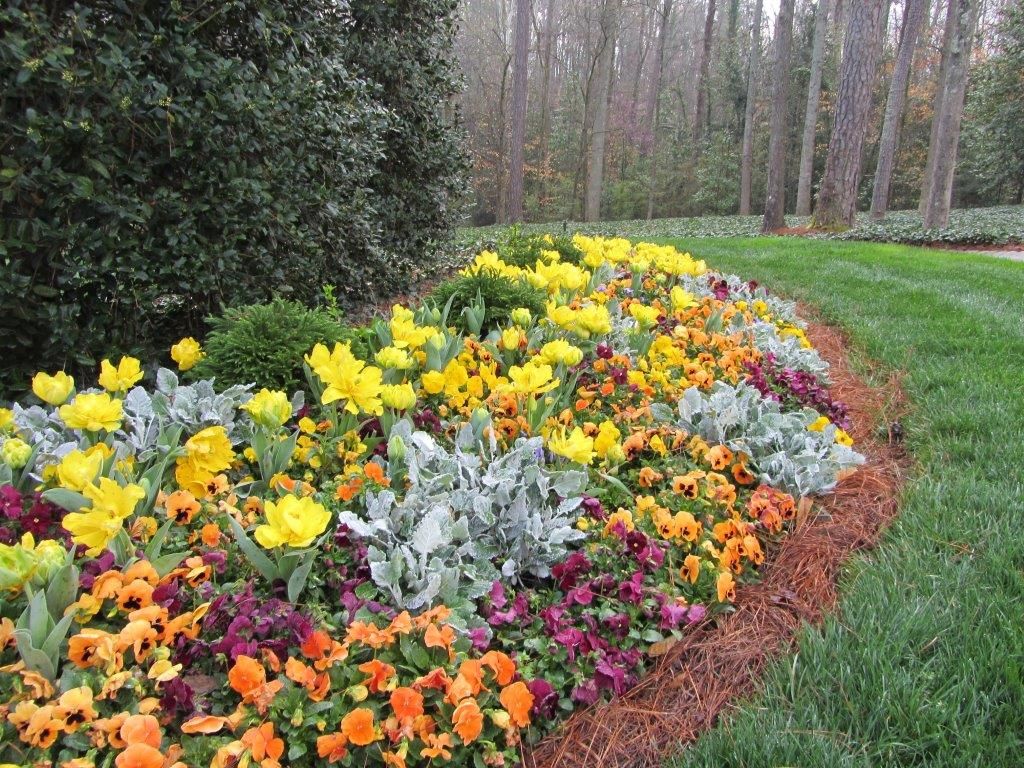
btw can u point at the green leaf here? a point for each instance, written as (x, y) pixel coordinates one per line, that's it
(297, 581)
(72, 501)
(259, 561)
(164, 564)
(34, 658)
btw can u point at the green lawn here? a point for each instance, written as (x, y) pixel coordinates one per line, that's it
(923, 664)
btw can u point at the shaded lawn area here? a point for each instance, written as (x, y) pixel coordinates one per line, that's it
(923, 664)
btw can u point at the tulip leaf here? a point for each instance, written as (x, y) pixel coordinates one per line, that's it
(259, 561)
(62, 590)
(297, 581)
(164, 564)
(157, 542)
(53, 641)
(33, 657)
(72, 501)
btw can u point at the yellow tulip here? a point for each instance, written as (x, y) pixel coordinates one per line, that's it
(55, 389)
(119, 379)
(79, 469)
(292, 522)
(432, 382)
(401, 397)
(269, 409)
(532, 379)
(560, 351)
(187, 353)
(92, 412)
(96, 526)
(574, 446)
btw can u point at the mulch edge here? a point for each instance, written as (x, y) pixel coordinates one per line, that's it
(706, 674)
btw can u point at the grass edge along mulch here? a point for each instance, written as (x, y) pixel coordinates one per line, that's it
(703, 675)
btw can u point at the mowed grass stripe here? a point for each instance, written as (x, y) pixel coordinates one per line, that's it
(922, 665)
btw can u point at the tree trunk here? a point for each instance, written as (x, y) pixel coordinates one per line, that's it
(602, 90)
(914, 14)
(517, 151)
(650, 146)
(929, 165)
(803, 192)
(940, 188)
(545, 98)
(837, 200)
(747, 156)
(702, 81)
(775, 200)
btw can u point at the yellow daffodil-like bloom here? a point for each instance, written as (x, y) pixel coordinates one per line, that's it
(347, 378)
(532, 379)
(55, 389)
(682, 299)
(79, 469)
(560, 351)
(187, 353)
(607, 438)
(401, 397)
(121, 378)
(96, 526)
(292, 522)
(645, 317)
(574, 446)
(15, 452)
(395, 358)
(92, 412)
(269, 408)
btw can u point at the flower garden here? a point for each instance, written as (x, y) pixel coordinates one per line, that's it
(432, 555)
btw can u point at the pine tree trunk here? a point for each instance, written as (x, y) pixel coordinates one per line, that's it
(775, 200)
(940, 188)
(650, 148)
(914, 14)
(803, 193)
(602, 85)
(545, 98)
(517, 150)
(747, 155)
(837, 199)
(929, 165)
(699, 111)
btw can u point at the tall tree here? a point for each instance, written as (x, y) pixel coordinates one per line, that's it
(701, 108)
(599, 94)
(545, 46)
(803, 191)
(929, 167)
(650, 138)
(517, 150)
(954, 86)
(837, 199)
(914, 14)
(747, 154)
(775, 199)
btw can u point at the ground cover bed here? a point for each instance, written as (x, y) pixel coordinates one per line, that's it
(495, 516)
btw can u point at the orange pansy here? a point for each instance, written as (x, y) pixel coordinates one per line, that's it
(140, 756)
(407, 703)
(333, 746)
(517, 701)
(437, 746)
(263, 744)
(141, 729)
(439, 637)
(357, 726)
(501, 665)
(468, 720)
(379, 674)
(205, 724)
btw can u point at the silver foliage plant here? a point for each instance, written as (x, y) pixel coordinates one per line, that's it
(469, 517)
(782, 450)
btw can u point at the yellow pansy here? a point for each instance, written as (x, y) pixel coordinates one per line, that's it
(293, 522)
(55, 389)
(818, 424)
(92, 412)
(121, 378)
(187, 353)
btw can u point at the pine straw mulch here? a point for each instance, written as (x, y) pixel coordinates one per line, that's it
(702, 677)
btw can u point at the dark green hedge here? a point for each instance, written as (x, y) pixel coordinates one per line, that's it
(159, 160)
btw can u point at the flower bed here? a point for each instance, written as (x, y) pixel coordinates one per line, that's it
(450, 547)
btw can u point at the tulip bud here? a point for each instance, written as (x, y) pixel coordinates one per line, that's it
(396, 449)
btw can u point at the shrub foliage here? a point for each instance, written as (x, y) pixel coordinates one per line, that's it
(159, 160)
